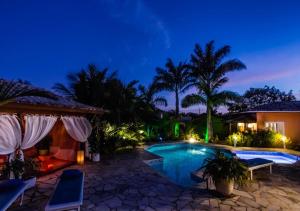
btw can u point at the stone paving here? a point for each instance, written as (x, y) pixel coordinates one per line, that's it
(127, 183)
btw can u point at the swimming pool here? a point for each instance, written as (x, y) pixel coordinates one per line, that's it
(277, 157)
(179, 160)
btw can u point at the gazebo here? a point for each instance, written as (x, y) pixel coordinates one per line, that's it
(48, 129)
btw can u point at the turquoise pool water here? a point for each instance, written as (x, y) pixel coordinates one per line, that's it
(179, 160)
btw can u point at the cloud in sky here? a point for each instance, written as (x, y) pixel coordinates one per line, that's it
(137, 14)
(280, 66)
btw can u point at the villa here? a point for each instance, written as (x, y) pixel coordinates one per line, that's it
(281, 117)
(55, 131)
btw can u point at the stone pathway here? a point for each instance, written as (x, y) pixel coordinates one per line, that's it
(127, 183)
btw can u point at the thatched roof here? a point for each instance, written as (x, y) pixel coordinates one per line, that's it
(54, 104)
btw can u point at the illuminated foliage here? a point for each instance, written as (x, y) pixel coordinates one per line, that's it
(177, 129)
(262, 138)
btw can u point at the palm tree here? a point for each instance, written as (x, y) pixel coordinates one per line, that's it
(87, 86)
(96, 87)
(209, 71)
(174, 78)
(10, 90)
(147, 96)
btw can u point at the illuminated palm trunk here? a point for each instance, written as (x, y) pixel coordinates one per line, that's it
(209, 129)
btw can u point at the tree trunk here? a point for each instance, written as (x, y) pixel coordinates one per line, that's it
(177, 103)
(209, 129)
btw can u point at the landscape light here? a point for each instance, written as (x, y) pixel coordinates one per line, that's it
(192, 140)
(235, 139)
(283, 139)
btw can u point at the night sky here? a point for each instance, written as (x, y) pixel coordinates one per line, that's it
(41, 41)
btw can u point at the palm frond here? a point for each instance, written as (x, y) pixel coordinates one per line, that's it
(63, 90)
(10, 90)
(192, 99)
(222, 98)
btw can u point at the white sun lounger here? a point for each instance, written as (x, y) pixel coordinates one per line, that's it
(68, 193)
(257, 163)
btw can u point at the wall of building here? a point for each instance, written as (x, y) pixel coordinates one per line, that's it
(291, 122)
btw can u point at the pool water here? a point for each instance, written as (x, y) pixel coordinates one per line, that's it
(276, 157)
(179, 160)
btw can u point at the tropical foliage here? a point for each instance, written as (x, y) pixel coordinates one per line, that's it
(259, 96)
(261, 138)
(102, 88)
(225, 167)
(209, 71)
(107, 138)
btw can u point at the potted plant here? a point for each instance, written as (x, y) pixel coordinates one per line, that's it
(22, 169)
(94, 148)
(225, 171)
(15, 167)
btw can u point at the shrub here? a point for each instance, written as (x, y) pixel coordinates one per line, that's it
(106, 138)
(262, 138)
(241, 139)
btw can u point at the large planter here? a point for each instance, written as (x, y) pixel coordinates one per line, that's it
(225, 187)
(96, 157)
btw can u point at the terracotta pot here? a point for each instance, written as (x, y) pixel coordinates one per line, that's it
(96, 157)
(225, 187)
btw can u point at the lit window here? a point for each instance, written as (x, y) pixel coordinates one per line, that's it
(277, 127)
(252, 126)
(241, 126)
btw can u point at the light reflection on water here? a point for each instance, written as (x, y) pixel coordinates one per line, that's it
(179, 161)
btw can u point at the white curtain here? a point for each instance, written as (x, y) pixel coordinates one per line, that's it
(36, 128)
(79, 128)
(10, 134)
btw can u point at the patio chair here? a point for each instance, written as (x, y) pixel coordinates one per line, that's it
(10, 191)
(68, 193)
(257, 163)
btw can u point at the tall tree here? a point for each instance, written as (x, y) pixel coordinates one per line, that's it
(259, 96)
(10, 90)
(87, 86)
(209, 71)
(173, 78)
(103, 89)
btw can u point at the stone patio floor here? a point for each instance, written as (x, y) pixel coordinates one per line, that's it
(127, 183)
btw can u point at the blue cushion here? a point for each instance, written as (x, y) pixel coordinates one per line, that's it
(256, 162)
(70, 173)
(10, 184)
(9, 190)
(68, 189)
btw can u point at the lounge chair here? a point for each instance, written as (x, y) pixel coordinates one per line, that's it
(257, 163)
(10, 191)
(68, 193)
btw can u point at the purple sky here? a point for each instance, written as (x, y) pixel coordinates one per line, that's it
(42, 41)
